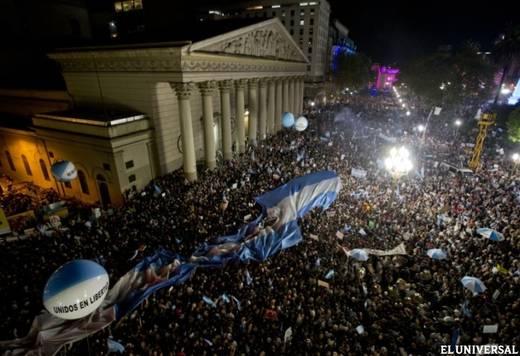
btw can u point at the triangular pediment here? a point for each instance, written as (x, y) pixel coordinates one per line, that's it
(267, 39)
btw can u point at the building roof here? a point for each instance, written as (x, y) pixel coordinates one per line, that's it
(94, 116)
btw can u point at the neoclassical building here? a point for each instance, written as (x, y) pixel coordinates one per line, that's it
(215, 94)
(183, 103)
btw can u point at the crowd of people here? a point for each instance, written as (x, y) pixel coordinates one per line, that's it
(388, 305)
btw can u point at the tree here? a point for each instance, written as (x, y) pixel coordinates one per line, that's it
(450, 80)
(505, 50)
(353, 71)
(513, 125)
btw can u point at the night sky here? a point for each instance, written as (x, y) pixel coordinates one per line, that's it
(394, 32)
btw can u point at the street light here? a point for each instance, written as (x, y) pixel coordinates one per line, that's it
(408, 113)
(398, 163)
(403, 105)
(458, 122)
(421, 128)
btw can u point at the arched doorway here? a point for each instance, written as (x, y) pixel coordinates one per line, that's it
(103, 190)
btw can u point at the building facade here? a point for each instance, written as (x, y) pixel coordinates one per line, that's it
(196, 102)
(111, 155)
(306, 21)
(340, 44)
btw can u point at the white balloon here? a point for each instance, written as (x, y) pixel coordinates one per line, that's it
(64, 171)
(301, 123)
(76, 289)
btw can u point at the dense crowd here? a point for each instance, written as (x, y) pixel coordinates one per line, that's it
(390, 305)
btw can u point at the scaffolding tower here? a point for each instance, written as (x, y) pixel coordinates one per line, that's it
(486, 120)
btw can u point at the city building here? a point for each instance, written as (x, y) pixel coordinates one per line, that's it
(385, 76)
(340, 44)
(306, 21)
(144, 110)
(112, 151)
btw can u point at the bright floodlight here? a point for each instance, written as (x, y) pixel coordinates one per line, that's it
(515, 157)
(458, 122)
(408, 113)
(505, 91)
(420, 128)
(398, 163)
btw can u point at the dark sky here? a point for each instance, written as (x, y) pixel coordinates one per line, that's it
(396, 31)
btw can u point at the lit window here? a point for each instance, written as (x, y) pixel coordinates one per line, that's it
(127, 6)
(10, 161)
(83, 182)
(258, 7)
(312, 3)
(275, 6)
(26, 165)
(302, 22)
(304, 4)
(283, 13)
(138, 4)
(118, 7)
(45, 172)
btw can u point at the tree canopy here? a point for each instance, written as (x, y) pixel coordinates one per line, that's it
(449, 79)
(353, 71)
(513, 125)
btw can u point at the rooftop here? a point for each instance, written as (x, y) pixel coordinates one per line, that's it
(94, 116)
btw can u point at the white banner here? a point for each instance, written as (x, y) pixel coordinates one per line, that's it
(358, 173)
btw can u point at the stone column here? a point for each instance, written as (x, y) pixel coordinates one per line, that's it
(241, 133)
(291, 95)
(302, 92)
(183, 91)
(279, 105)
(225, 109)
(253, 110)
(271, 103)
(285, 106)
(262, 112)
(206, 90)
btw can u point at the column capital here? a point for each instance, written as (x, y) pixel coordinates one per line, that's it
(263, 82)
(207, 88)
(183, 90)
(225, 85)
(253, 82)
(240, 83)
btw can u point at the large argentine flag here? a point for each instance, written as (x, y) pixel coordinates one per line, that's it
(276, 229)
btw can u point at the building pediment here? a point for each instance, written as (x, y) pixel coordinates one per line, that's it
(267, 39)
